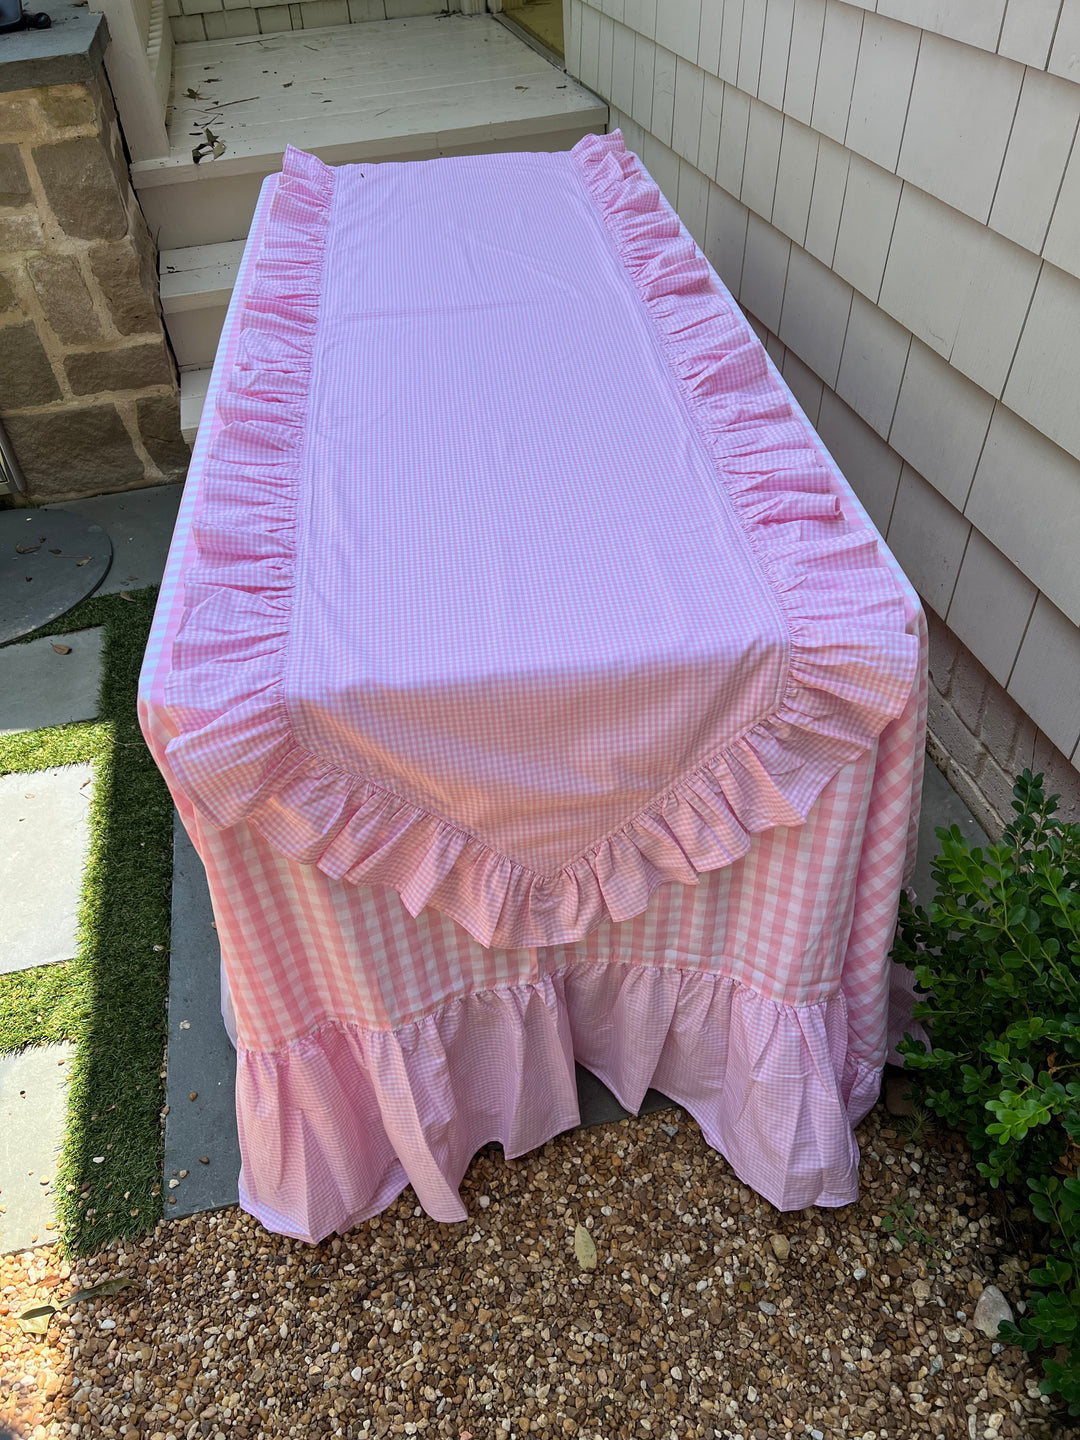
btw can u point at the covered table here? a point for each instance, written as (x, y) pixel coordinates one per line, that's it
(534, 689)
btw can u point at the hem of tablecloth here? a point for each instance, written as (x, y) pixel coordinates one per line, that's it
(236, 757)
(335, 1125)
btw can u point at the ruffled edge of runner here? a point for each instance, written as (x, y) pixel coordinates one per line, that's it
(852, 658)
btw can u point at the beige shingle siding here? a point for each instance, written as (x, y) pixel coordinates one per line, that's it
(893, 191)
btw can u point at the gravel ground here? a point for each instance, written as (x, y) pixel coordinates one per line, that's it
(708, 1314)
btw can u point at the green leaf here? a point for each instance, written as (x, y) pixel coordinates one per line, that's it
(107, 1287)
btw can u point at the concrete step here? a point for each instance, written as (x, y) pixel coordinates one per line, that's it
(384, 90)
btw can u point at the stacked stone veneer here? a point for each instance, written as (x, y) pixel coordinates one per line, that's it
(88, 389)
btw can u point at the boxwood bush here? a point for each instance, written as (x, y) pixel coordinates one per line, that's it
(997, 969)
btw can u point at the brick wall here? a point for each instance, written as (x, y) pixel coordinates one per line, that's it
(980, 738)
(88, 391)
(891, 189)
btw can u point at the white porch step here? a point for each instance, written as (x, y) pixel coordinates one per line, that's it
(382, 90)
(196, 284)
(193, 387)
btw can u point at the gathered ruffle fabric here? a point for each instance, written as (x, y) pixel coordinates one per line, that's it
(334, 1126)
(852, 661)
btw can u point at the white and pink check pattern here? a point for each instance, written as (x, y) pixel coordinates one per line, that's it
(533, 688)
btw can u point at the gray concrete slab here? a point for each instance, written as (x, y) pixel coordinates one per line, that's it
(50, 561)
(598, 1106)
(201, 1060)
(941, 809)
(33, 1112)
(140, 525)
(44, 822)
(39, 686)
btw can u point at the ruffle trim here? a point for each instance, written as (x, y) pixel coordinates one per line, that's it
(334, 1126)
(852, 662)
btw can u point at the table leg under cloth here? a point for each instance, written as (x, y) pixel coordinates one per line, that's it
(377, 1048)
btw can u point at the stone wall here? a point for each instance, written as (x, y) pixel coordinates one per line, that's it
(88, 388)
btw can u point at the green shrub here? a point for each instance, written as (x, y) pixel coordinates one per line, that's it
(997, 960)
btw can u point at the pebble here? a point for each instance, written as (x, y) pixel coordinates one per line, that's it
(991, 1310)
(781, 1248)
(408, 1326)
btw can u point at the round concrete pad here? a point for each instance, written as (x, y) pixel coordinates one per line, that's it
(49, 561)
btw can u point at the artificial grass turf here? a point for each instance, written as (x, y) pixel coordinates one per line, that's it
(110, 1000)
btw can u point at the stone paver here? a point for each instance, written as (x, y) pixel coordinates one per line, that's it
(40, 687)
(201, 1060)
(33, 1111)
(140, 525)
(44, 825)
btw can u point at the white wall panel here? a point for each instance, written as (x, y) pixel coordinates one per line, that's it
(762, 158)
(872, 364)
(807, 27)
(795, 179)
(815, 314)
(775, 48)
(1046, 677)
(1028, 31)
(866, 225)
(1044, 384)
(1065, 53)
(976, 22)
(1038, 151)
(866, 462)
(827, 199)
(836, 69)
(1026, 499)
(882, 89)
(928, 537)
(940, 423)
(962, 107)
(991, 607)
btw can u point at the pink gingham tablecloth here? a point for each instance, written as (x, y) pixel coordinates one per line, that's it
(534, 689)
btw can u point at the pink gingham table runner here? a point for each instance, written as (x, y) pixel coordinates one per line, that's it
(533, 688)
